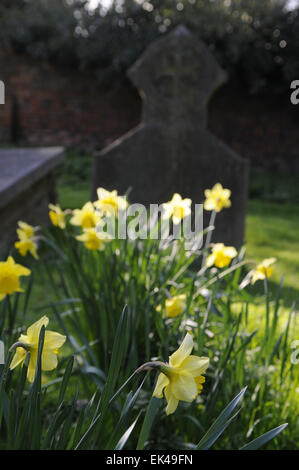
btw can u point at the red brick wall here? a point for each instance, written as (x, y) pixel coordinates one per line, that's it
(56, 106)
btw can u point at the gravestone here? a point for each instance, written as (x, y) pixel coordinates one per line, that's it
(27, 186)
(172, 150)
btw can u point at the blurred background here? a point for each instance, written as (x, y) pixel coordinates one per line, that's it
(64, 65)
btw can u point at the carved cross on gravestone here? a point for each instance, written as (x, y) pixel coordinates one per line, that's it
(171, 150)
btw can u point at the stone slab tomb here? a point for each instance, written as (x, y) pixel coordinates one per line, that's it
(27, 186)
(172, 150)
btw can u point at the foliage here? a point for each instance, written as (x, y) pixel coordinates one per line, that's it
(88, 290)
(271, 223)
(106, 421)
(256, 41)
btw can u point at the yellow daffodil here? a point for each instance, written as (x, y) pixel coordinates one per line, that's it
(177, 208)
(87, 217)
(27, 244)
(29, 343)
(57, 216)
(221, 255)
(109, 202)
(25, 230)
(182, 378)
(174, 306)
(217, 198)
(263, 270)
(10, 274)
(93, 240)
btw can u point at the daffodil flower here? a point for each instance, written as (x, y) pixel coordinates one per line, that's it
(110, 203)
(29, 343)
(217, 198)
(10, 273)
(177, 208)
(87, 217)
(26, 244)
(94, 240)
(263, 270)
(221, 255)
(57, 216)
(25, 230)
(174, 306)
(182, 378)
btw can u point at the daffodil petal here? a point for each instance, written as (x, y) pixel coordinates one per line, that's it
(226, 193)
(21, 270)
(231, 252)
(49, 360)
(195, 365)
(267, 262)
(53, 340)
(184, 351)
(210, 260)
(172, 403)
(218, 188)
(162, 382)
(34, 330)
(19, 357)
(184, 388)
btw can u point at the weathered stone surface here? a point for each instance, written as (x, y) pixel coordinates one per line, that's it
(171, 150)
(27, 186)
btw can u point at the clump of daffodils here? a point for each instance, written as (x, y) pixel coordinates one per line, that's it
(27, 240)
(221, 255)
(177, 208)
(57, 216)
(29, 343)
(110, 203)
(10, 273)
(181, 379)
(263, 270)
(174, 306)
(217, 198)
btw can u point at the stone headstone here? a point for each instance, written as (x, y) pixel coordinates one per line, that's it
(171, 150)
(27, 186)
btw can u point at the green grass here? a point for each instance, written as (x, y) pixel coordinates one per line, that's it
(272, 229)
(73, 198)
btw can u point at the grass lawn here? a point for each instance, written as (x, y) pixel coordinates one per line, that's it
(272, 229)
